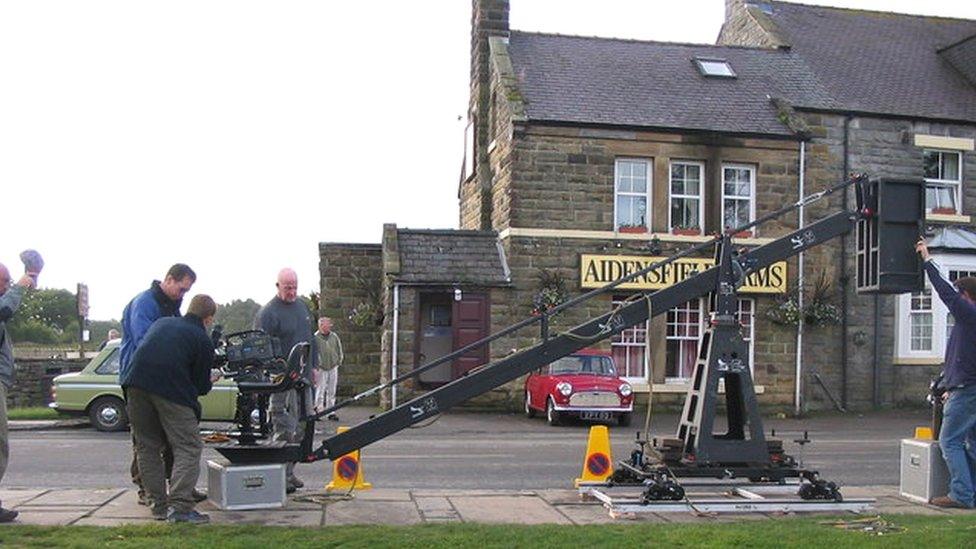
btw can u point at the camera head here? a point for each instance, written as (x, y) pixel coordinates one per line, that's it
(249, 349)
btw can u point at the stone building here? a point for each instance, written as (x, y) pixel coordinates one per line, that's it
(900, 103)
(589, 156)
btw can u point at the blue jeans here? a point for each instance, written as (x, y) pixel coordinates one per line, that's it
(958, 442)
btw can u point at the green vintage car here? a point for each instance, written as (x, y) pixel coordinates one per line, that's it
(95, 391)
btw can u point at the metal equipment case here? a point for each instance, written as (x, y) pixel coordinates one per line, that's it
(237, 487)
(923, 471)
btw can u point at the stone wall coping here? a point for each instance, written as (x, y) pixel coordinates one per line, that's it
(323, 246)
(35, 354)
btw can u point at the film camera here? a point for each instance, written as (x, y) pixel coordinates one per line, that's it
(255, 361)
(244, 353)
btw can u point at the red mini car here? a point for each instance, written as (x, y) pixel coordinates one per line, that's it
(584, 385)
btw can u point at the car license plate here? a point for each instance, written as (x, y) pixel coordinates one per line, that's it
(595, 415)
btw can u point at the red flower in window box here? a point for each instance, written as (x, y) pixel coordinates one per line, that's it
(947, 211)
(632, 229)
(743, 234)
(690, 231)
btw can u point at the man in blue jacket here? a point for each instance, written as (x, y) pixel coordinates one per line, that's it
(172, 367)
(958, 435)
(162, 299)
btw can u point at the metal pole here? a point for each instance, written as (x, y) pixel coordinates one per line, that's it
(799, 299)
(396, 335)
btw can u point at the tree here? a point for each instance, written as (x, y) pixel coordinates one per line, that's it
(237, 315)
(98, 329)
(46, 316)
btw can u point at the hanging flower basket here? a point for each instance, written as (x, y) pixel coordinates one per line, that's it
(552, 292)
(818, 308)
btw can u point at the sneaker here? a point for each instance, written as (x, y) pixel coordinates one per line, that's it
(191, 517)
(160, 512)
(947, 502)
(199, 495)
(297, 482)
(290, 488)
(144, 499)
(333, 417)
(7, 515)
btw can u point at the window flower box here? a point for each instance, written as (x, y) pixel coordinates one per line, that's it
(944, 211)
(688, 231)
(632, 229)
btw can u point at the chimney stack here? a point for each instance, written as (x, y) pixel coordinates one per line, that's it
(488, 18)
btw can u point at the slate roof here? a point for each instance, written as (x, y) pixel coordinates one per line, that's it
(878, 62)
(607, 81)
(451, 256)
(838, 60)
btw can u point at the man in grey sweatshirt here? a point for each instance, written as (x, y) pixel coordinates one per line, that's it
(287, 318)
(10, 297)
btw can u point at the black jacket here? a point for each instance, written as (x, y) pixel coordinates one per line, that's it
(173, 361)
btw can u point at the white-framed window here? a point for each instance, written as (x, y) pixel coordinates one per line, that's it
(686, 205)
(738, 195)
(684, 330)
(923, 323)
(943, 181)
(629, 349)
(632, 193)
(920, 320)
(685, 326)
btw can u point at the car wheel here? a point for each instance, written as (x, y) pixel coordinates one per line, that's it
(108, 414)
(553, 417)
(529, 411)
(624, 418)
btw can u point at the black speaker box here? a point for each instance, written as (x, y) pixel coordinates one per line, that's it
(885, 237)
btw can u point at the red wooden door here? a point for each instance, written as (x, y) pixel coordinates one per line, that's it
(470, 324)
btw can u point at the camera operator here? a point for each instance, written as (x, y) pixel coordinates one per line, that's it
(287, 318)
(171, 368)
(957, 437)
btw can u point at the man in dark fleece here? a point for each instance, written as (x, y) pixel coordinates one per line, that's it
(161, 299)
(171, 368)
(958, 435)
(287, 318)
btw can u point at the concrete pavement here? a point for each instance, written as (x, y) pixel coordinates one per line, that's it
(113, 507)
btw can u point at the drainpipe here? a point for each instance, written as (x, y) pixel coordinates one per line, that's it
(799, 284)
(876, 368)
(843, 272)
(396, 329)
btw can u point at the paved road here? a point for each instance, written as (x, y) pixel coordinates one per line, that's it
(477, 451)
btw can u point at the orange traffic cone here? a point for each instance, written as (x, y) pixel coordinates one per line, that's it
(597, 464)
(347, 471)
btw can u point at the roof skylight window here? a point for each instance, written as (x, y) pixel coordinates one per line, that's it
(714, 67)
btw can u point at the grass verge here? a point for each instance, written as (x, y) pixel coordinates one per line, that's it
(34, 412)
(906, 531)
